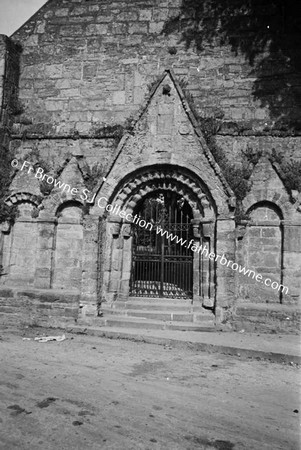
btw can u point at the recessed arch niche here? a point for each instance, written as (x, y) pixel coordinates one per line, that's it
(19, 243)
(66, 270)
(261, 250)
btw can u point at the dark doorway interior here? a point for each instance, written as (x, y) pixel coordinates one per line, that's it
(162, 263)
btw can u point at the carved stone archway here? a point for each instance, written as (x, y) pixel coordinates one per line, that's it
(117, 244)
(132, 191)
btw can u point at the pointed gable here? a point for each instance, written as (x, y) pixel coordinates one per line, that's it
(266, 185)
(68, 186)
(166, 132)
(71, 175)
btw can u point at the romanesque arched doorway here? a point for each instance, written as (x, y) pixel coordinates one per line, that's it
(162, 261)
(136, 259)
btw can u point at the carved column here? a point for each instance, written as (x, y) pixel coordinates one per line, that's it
(112, 259)
(88, 306)
(5, 245)
(240, 258)
(196, 260)
(207, 264)
(225, 239)
(126, 261)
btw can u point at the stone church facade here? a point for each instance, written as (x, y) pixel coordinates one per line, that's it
(106, 106)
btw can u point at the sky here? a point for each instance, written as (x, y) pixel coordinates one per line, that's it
(14, 13)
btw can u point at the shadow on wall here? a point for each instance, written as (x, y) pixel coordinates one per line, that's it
(267, 33)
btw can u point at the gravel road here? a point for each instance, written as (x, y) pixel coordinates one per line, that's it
(95, 393)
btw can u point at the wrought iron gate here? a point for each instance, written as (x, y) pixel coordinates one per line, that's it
(161, 262)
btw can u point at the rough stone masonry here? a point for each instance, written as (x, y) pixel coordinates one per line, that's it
(158, 98)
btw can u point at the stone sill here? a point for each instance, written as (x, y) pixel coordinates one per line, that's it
(41, 295)
(268, 307)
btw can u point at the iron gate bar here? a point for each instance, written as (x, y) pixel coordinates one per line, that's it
(161, 267)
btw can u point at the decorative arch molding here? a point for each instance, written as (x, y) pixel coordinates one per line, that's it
(23, 197)
(198, 204)
(222, 199)
(139, 185)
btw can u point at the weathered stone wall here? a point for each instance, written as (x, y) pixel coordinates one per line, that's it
(9, 80)
(90, 64)
(28, 307)
(271, 243)
(234, 145)
(55, 153)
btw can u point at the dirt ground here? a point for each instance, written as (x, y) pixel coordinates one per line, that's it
(95, 393)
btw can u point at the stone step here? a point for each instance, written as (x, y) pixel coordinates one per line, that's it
(157, 303)
(157, 306)
(185, 301)
(149, 324)
(165, 315)
(149, 305)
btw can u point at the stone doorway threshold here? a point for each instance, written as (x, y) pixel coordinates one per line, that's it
(157, 314)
